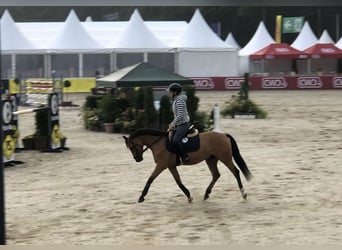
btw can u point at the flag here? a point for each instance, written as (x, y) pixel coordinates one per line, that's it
(292, 24)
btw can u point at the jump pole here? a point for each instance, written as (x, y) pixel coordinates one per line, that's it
(26, 111)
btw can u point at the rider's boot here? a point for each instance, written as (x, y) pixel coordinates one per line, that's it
(184, 156)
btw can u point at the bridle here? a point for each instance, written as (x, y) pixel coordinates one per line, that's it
(137, 155)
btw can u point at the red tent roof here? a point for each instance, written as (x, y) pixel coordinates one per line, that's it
(324, 50)
(278, 51)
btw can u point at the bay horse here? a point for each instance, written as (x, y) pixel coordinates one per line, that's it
(214, 147)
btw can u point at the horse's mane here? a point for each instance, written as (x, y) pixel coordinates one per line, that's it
(147, 131)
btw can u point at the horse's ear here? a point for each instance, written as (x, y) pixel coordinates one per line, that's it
(125, 138)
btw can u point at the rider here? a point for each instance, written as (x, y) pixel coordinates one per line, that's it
(180, 124)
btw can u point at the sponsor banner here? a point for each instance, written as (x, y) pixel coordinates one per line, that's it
(218, 83)
(233, 82)
(206, 83)
(337, 82)
(274, 83)
(309, 82)
(269, 82)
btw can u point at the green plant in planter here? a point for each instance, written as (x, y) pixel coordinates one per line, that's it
(107, 109)
(241, 104)
(110, 108)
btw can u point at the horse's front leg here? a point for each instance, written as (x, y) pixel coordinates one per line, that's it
(175, 175)
(153, 176)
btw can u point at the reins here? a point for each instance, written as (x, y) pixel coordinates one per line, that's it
(148, 146)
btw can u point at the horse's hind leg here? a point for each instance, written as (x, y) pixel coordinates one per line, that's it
(236, 173)
(212, 164)
(177, 178)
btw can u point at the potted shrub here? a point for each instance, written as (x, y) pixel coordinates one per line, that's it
(107, 112)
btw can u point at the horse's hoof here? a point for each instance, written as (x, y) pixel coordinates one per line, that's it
(206, 197)
(190, 200)
(141, 199)
(243, 193)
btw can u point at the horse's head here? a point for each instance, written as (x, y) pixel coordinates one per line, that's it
(135, 148)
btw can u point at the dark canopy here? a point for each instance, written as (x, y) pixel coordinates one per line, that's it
(141, 74)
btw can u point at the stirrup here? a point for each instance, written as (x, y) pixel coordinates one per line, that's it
(185, 159)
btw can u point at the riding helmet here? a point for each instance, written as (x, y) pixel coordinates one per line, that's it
(175, 87)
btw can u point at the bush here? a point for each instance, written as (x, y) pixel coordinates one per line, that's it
(242, 104)
(237, 106)
(91, 119)
(150, 111)
(165, 110)
(91, 102)
(192, 101)
(107, 109)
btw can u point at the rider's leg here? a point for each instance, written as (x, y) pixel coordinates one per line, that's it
(176, 140)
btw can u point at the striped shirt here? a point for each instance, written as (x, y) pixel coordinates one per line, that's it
(180, 110)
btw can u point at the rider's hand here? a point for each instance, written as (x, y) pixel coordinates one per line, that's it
(170, 128)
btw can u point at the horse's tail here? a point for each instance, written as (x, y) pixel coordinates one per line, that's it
(238, 158)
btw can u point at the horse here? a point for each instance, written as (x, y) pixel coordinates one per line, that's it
(214, 147)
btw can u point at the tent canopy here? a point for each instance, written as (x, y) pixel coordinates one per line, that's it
(141, 74)
(305, 39)
(260, 39)
(198, 34)
(278, 51)
(324, 50)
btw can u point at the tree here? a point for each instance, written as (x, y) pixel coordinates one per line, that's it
(150, 112)
(192, 101)
(165, 111)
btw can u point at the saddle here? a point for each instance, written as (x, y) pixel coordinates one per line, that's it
(191, 141)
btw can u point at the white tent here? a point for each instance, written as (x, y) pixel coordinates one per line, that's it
(137, 36)
(114, 44)
(198, 47)
(325, 38)
(167, 31)
(259, 40)
(40, 34)
(198, 34)
(305, 39)
(74, 38)
(324, 55)
(12, 39)
(339, 43)
(230, 40)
